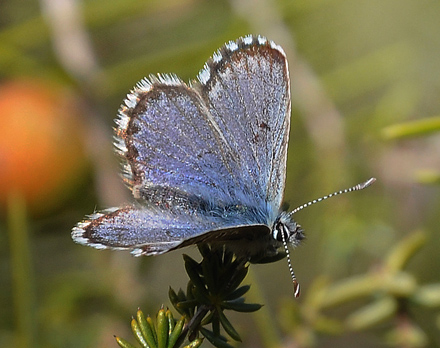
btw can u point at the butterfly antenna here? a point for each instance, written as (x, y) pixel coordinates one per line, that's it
(296, 287)
(358, 187)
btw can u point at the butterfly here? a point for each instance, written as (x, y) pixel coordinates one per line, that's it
(206, 161)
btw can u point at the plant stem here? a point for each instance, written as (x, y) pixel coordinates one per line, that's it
(21, 269)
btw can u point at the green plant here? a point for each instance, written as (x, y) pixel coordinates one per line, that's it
(214, 287)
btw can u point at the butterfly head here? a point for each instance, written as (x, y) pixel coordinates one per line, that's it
(288, 230)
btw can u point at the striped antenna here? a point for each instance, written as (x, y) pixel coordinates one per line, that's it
(358, 187)
(296, 287)
(284, 233)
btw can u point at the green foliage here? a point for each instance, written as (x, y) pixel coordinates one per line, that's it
(214, 287)
(164, 334)
(412, 129)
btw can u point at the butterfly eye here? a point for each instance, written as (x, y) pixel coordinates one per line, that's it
(280, 232)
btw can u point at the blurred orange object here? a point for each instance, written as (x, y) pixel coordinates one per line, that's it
(41, 150)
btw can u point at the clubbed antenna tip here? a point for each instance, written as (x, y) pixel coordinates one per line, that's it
(365, 184)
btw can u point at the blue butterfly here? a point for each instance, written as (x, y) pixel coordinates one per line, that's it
(206, 161)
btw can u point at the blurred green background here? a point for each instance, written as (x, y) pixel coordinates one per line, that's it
(365, 80)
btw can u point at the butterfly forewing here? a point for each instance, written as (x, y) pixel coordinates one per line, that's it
(171, 143)
(246, 88)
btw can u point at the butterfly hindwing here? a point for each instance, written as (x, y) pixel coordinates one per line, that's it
(155, 231)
